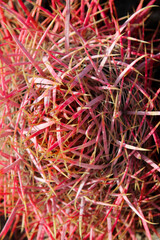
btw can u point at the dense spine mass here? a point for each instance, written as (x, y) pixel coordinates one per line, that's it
(79, 121)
